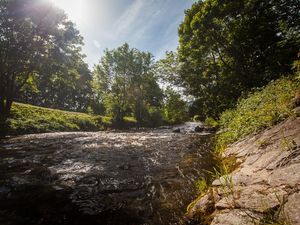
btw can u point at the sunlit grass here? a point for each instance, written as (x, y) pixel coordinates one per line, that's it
(32, 119)
(261, 109)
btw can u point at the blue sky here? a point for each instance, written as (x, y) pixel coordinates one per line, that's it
(149, 25)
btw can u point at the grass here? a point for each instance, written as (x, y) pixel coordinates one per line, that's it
(261, 109)
(26, 119)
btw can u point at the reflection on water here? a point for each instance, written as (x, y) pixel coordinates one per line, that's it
(100, 178)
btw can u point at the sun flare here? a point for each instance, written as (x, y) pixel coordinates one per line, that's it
(76, 10)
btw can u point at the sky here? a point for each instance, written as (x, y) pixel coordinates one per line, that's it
(148, 25)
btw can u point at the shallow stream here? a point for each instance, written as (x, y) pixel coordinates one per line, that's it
(87, 178)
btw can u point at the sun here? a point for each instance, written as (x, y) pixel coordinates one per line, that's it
(75, 9)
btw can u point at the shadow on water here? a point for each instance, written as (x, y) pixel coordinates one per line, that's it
(100, 178)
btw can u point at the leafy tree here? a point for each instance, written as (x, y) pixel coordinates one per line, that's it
(228, 47)
(35, 36)
(175, 108)
(67, 87)
(167, 69)
(124, 83)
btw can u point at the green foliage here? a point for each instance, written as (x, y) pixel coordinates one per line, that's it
(32, 119)
(211, 122)
(124, 84)
(296, 66)
(175, 109)
(41, 57)
(167, 69)
(261, 109)
(229, 47)
(129, 121)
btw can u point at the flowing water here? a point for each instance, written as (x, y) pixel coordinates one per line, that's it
(88, 178)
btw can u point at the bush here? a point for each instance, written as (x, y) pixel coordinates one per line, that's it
(261, 109)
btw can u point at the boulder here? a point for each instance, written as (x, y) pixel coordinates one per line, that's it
(199, 129)
(177, 130)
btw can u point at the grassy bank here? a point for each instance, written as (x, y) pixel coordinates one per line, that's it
(261, 109)
(26, 119)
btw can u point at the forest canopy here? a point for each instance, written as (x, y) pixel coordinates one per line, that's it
(226, 48)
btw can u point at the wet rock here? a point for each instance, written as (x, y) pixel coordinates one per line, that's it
(177, 130)
(199, 129)
(201, 205)
(205, 129)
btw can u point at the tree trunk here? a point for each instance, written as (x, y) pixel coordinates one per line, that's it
(8, 105)
(3, 118)
(1, 105)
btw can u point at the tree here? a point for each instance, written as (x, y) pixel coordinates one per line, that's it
(228, 47)
(167, 69)
(175, 108)
(66, 87)
(124, 83)
(35, 36)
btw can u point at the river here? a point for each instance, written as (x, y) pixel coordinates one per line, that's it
(109, 178)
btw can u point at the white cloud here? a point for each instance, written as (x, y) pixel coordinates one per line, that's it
(148, 22)
(128, 17)
(97, 44)
(170, 41)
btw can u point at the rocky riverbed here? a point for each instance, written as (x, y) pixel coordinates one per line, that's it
(264, 189)
(101, 177)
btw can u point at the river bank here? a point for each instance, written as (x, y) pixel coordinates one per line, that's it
(264, 188)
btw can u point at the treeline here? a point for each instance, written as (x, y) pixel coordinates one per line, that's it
(125, 83)
(42, 64)
(227, 48)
